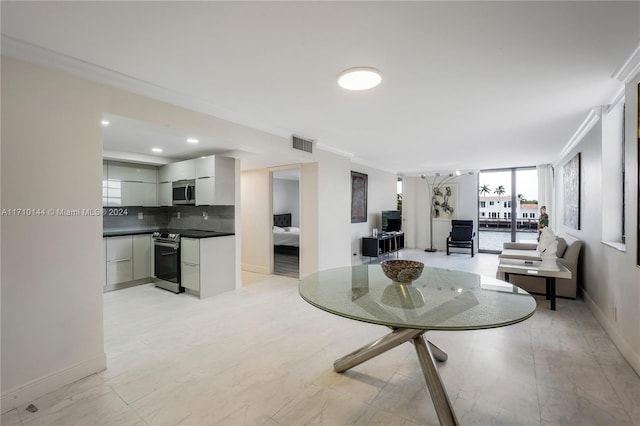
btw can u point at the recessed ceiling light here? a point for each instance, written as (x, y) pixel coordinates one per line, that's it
(156, 149)
(192, 140)
(360, 78)
(105, 122)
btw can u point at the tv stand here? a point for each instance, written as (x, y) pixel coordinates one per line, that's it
(382, 244)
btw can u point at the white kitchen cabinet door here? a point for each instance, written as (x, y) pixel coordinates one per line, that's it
(218, 190)
(119, 271)
(165, 194)
(190, 276)
(165, 173)
(206, 191)
(132, 172)
(190, 267)
(104, 262)
(119, 248)
(138, 194)
(141, 256)
(205, 167)
(183, 170)
(190, 250)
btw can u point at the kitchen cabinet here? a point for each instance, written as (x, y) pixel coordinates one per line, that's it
(129, 184)
(208, 265)
(141, 256)
(138, 194)
(165, 173)
(131, 172)
(165, 194)
(128, 260)
(104, 263)
(119, 264)
(215, 183)
(183, 170)
(190, 263)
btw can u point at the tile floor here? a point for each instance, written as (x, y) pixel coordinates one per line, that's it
(261, 355)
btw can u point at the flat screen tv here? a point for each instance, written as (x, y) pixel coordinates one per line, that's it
(391, 220)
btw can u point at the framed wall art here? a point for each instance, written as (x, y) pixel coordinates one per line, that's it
(571, 175)
(444, 202)
(359, 183)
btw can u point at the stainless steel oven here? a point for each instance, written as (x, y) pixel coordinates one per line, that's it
(167, 261)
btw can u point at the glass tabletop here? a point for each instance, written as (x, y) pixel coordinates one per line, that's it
(440, 299)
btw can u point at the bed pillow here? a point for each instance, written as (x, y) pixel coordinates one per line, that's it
(278, 229)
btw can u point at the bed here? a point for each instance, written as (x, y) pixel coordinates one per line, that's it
(286, 238)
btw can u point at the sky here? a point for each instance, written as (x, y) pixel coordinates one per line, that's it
(526, 182)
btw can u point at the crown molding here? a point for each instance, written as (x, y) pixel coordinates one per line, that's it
(630, 67)
(592, 118)
(47, 58)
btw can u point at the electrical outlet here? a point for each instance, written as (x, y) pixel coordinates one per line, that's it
(179, 215)
(140, 215)
(205, 215)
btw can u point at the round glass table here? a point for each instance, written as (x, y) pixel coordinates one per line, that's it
(440, 299)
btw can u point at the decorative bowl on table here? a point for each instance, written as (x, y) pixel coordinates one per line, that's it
(402, 271)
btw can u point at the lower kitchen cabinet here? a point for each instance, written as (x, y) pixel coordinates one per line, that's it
(208, 265)
(190, 263)
(119, 260)
(128, 261)
(141, 256)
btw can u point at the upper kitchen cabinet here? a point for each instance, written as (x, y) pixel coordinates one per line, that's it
(129, 184)
(129, 172)
(215, 183)
(183, 170)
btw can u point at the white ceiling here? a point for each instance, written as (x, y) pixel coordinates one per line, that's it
(466, 85)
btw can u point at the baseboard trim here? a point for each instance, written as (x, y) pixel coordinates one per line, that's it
(41, 386)
(256, 268)
(627, 352)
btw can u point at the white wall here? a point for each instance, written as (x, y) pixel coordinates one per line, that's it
(255, 213)
(52, 331)
(334, 210)
(286, 198)
(610, 278)
(381, 195)
(416, 203)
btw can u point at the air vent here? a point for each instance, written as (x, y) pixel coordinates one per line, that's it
(301, 144)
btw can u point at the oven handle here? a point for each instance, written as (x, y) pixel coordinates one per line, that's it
(170, 245)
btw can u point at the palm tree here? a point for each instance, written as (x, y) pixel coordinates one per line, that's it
(499, 191)
(484, 190)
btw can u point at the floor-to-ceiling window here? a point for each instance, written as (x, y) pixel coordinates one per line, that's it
(507, 207)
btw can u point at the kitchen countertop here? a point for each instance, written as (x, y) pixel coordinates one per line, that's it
(187, 233)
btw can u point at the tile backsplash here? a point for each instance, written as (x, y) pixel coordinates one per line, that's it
(205, 218)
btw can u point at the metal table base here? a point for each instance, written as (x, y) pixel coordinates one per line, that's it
(427, 353)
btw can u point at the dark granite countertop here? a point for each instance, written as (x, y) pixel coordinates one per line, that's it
(187, 233)
(125, 232)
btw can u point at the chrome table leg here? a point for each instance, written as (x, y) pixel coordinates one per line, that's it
(373, 349)
(439, 396)
(438, 353)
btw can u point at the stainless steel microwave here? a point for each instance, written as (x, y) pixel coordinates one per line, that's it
(184, 192)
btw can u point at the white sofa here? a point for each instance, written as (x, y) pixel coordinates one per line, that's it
(568, 254)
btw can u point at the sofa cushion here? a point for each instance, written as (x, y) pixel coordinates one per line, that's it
(562, 246)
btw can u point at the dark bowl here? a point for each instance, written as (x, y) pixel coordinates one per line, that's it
(402, 271)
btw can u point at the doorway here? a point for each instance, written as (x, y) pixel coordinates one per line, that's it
(286, 222)
(507, 207)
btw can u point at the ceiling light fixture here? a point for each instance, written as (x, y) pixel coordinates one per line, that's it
(359, 78)
(192, 140)
(156, 149)
(105, 122)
